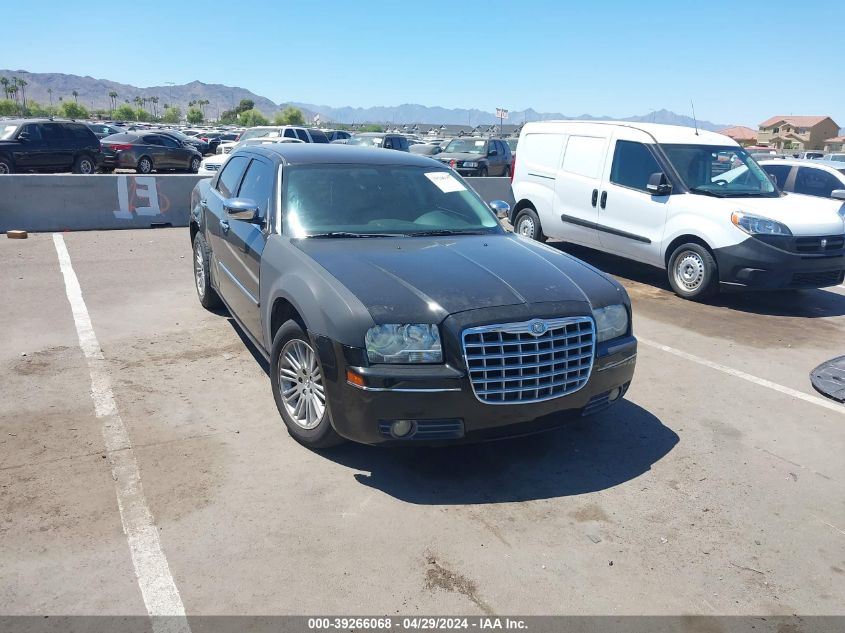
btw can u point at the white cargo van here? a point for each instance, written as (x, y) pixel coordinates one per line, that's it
(691, 202)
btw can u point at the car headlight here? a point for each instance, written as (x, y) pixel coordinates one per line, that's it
(758, 225)
(470, 163)
(408, 343)
(611, 322)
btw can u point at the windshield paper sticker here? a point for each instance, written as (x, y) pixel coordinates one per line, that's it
(445, 181)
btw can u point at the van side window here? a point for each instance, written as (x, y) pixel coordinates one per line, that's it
(584, 156)
(632, 166)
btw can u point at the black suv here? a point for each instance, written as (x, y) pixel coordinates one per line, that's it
(471, 156)
(34, 145)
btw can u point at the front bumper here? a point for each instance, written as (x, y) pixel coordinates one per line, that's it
(753, 264)
(440, 401)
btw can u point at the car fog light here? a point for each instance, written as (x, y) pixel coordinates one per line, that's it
(401, 428)
(614, 394)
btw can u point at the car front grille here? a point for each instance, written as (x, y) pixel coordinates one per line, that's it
(212, 166)
(820, 244)
(817, 279)
(531, 361)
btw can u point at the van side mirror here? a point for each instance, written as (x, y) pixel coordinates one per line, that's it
(839, 194)
(658, 184)
(501, 208)
(241, 209)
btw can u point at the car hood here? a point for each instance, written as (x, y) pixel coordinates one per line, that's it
(804, 215)
(411, 280)
(443, 156)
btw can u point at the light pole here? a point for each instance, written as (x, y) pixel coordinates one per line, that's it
(169, 85)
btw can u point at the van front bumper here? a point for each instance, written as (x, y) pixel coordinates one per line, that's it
(753, 264)
(439, 402)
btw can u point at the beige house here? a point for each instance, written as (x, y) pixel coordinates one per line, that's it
(797, 132)
(745, 136)
(835, 144)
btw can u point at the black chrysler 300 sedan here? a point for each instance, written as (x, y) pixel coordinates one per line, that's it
(392, 305)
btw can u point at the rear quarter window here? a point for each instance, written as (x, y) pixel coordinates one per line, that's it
(541, 152)
(584, 156)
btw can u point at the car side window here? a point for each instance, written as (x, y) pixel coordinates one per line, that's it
(815, 182)
(303, 135)
(633, 165)
(169, 142)
(32, 130)
(230, 177)
(257, 185)
(778, 173)
(289, 133)
(51, 132)
(388, 142)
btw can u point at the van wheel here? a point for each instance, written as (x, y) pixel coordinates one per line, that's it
(299, 388)
(84, 165)
(693, 273)
(5, 166)
(528, 225)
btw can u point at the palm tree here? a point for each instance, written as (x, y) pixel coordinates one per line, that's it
(138, 101)
(75, 95)
(5, 83)
(50, 92)
(113, 96)
(202, 103)
(23, 84)
(154, 101)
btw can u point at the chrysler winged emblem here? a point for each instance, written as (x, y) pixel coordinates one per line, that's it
(538, 328)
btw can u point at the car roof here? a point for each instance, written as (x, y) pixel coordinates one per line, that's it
(319, 153)
(806, 162)
(662, 133)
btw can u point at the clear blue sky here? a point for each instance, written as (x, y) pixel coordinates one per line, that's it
(739, 61)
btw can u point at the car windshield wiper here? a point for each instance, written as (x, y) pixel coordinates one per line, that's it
(436, 232)
(342, 234)
(706, 192)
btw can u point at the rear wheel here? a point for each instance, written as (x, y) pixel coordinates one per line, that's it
(202, 275)
(692, 272)
(145, 165)
(528, 225)
(299, 389)
(5, 166)
(84, 165)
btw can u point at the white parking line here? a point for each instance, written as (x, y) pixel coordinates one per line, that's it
(161, 597)
(821, 402)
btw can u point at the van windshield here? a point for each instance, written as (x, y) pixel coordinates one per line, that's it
(725, 172)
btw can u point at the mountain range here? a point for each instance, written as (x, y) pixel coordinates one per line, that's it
(94, 94)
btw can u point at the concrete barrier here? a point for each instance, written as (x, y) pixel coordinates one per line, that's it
(88, 203)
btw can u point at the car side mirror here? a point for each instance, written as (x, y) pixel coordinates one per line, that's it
(658, 184)
(492, 152)
(839, 194)
(241, 209)
(23, 136)
(501, 208)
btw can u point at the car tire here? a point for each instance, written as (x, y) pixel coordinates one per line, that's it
(482, 173)
(299, 390)
(84, 164)
(209, 299)
(145, 165)
(507, 172)
(195, 165)
(6, 166)
(527, 224)
(692, 272)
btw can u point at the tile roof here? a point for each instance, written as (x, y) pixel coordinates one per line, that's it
(740, 133)
(797, 121)
(835, 139)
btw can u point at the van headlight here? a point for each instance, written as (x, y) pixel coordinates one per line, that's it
(404, 343)
(758, 225)
(611, 322)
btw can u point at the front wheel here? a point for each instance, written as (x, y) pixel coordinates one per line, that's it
(692, 272)
(482, 173)
(195, 165)
(5, 166)
(528, 225)
(299, 389)
(202, 277)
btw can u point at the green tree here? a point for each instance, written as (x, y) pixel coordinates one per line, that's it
(172, 114)
(195, 116)
(372, 127)
(73, 110)
(142, 115)
(251, 118)
(5, 83)
(8, 107)
(289, 116)
(124, 113)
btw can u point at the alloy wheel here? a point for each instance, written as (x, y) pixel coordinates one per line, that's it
(301, 384)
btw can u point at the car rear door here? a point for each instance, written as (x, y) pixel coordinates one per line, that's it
(57, 151)
(631, 220)
(154, 148)
(30, 153)
(240, 259)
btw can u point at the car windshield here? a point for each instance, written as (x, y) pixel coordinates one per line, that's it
(720, 171)
(7, 132)
(839, 158)
(380, 200)
(368, 141)
(467, 146)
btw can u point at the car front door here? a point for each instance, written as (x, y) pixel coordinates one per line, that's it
(154, 148)
(30, 152)
(243, 245)
(177, 154)
(215, 217)
(631, 220)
